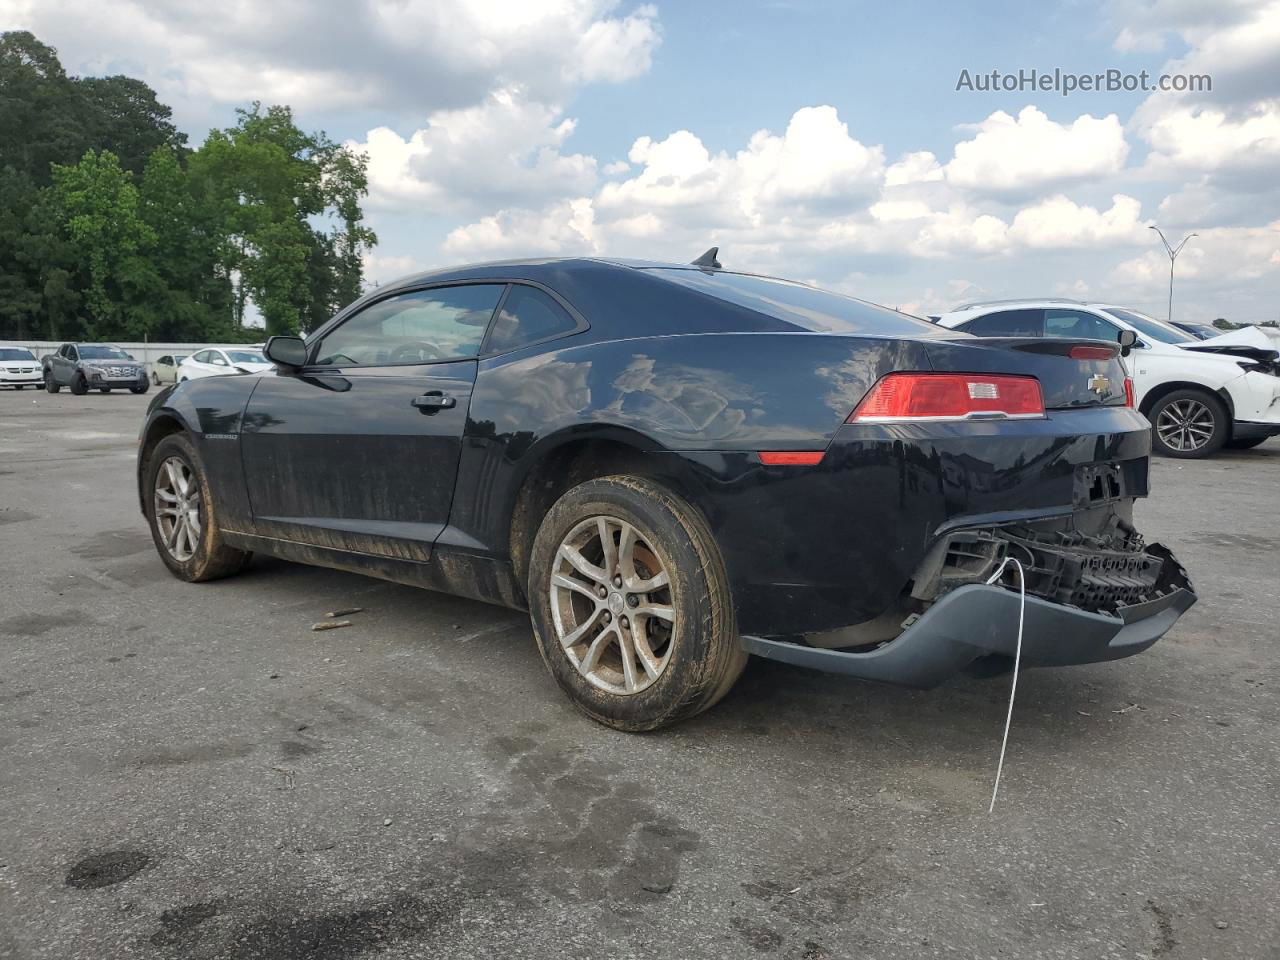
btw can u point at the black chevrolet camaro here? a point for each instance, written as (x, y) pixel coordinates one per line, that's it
(674, 466)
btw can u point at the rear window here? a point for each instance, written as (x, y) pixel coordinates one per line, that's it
(1006, 323)
(805, 307)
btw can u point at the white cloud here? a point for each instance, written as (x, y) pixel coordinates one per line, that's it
(1220, 257)
(1015, 156)
(567, 228)
(1058, 223)
(407, 56)
(919, 167)
(502, 150)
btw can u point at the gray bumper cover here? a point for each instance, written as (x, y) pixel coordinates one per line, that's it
(976, 620)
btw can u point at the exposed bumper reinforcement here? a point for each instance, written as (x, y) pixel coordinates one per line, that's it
(976, 620)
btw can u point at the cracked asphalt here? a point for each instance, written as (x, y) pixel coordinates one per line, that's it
(190, 771)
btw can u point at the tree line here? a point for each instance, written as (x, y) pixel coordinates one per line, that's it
(113, 228)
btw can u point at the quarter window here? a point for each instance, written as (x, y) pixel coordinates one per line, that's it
(1078, 325)
(527, 316)
(443, 323)
(1007, 323)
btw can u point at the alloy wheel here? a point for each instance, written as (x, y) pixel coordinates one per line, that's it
(1185, 425)
(177, 508)
(611, 605)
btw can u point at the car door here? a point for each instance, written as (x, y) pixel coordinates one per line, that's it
(71, 357)
(359, 449)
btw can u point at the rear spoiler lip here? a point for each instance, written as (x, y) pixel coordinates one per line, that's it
(1051, 346)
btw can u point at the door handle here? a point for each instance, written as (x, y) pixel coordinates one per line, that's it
(433, 401)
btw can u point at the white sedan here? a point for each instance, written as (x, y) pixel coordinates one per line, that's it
(220, 361)
(19, 368)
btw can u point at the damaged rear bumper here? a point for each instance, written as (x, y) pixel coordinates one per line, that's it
(978, 621)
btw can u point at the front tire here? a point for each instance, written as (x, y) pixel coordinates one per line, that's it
(630, 604)
(1188, 424)
(140, 387)
(50, 384)
(79, 386)
(183, 515)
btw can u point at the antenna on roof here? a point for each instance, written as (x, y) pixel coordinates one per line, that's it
(708, 260)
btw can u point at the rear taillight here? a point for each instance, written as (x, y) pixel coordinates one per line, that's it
(949, 396)
(1128, 391)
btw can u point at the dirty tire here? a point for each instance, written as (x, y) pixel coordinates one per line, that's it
(705, 654)
(1218, 421)
(212, 559)
(79, 386)
(51, 385)
(1246, 444)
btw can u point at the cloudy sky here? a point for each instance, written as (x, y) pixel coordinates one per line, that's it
(824, 141)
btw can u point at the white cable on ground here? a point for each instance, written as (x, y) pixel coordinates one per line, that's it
(1017, 662)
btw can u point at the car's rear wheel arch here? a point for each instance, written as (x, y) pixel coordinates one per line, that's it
(563, 463)
(1158, 393)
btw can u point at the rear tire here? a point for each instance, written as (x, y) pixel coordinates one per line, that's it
(79, 386)
(155, 379)
(51, 385)
(1247, 443)
(1188, 424)
(683, 629)
(202, 555)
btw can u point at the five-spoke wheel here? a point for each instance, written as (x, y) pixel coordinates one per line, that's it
(630, 604)
(611, 605)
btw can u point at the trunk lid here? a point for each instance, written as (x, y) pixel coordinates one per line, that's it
(1065, 381)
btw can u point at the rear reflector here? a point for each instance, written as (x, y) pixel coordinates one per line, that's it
(1093, 353)
(949, 396)
(791, 458)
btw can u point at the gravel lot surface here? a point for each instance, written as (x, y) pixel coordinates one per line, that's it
(190, 771)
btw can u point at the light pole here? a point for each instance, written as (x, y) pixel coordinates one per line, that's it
(1173, 256)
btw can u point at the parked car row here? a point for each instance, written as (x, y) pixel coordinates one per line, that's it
(1200, 394)
(82, 367)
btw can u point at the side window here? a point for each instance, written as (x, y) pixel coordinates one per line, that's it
(443, 323)
(1007, 323)
(201, 357)
(1078, 325)
(72, 352)
(217, 358)
(528, 315)
(167, 361)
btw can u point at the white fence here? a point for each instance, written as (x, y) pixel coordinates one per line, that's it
(148, 353)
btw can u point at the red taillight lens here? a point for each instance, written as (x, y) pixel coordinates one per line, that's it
(1093, 353)
(1128, 391)
(949, 396)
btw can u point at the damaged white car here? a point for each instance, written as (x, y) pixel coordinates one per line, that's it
(1199, 395)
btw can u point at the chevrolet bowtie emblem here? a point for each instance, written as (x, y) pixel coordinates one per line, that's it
(1099, 384)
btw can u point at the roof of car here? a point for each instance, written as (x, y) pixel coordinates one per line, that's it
(496, 267)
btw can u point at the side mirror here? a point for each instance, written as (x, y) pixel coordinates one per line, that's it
(290, 352)
(1127, 339)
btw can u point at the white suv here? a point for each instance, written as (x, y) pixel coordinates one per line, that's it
(1198, 394)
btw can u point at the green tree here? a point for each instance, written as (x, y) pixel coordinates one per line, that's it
(99, 210)
(41, 121)
(275, 188)
(123, 115)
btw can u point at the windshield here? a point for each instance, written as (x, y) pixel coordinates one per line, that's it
(808, 308)
(7, 353)
(1151, 327)
(103, 353)
(245, 356)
